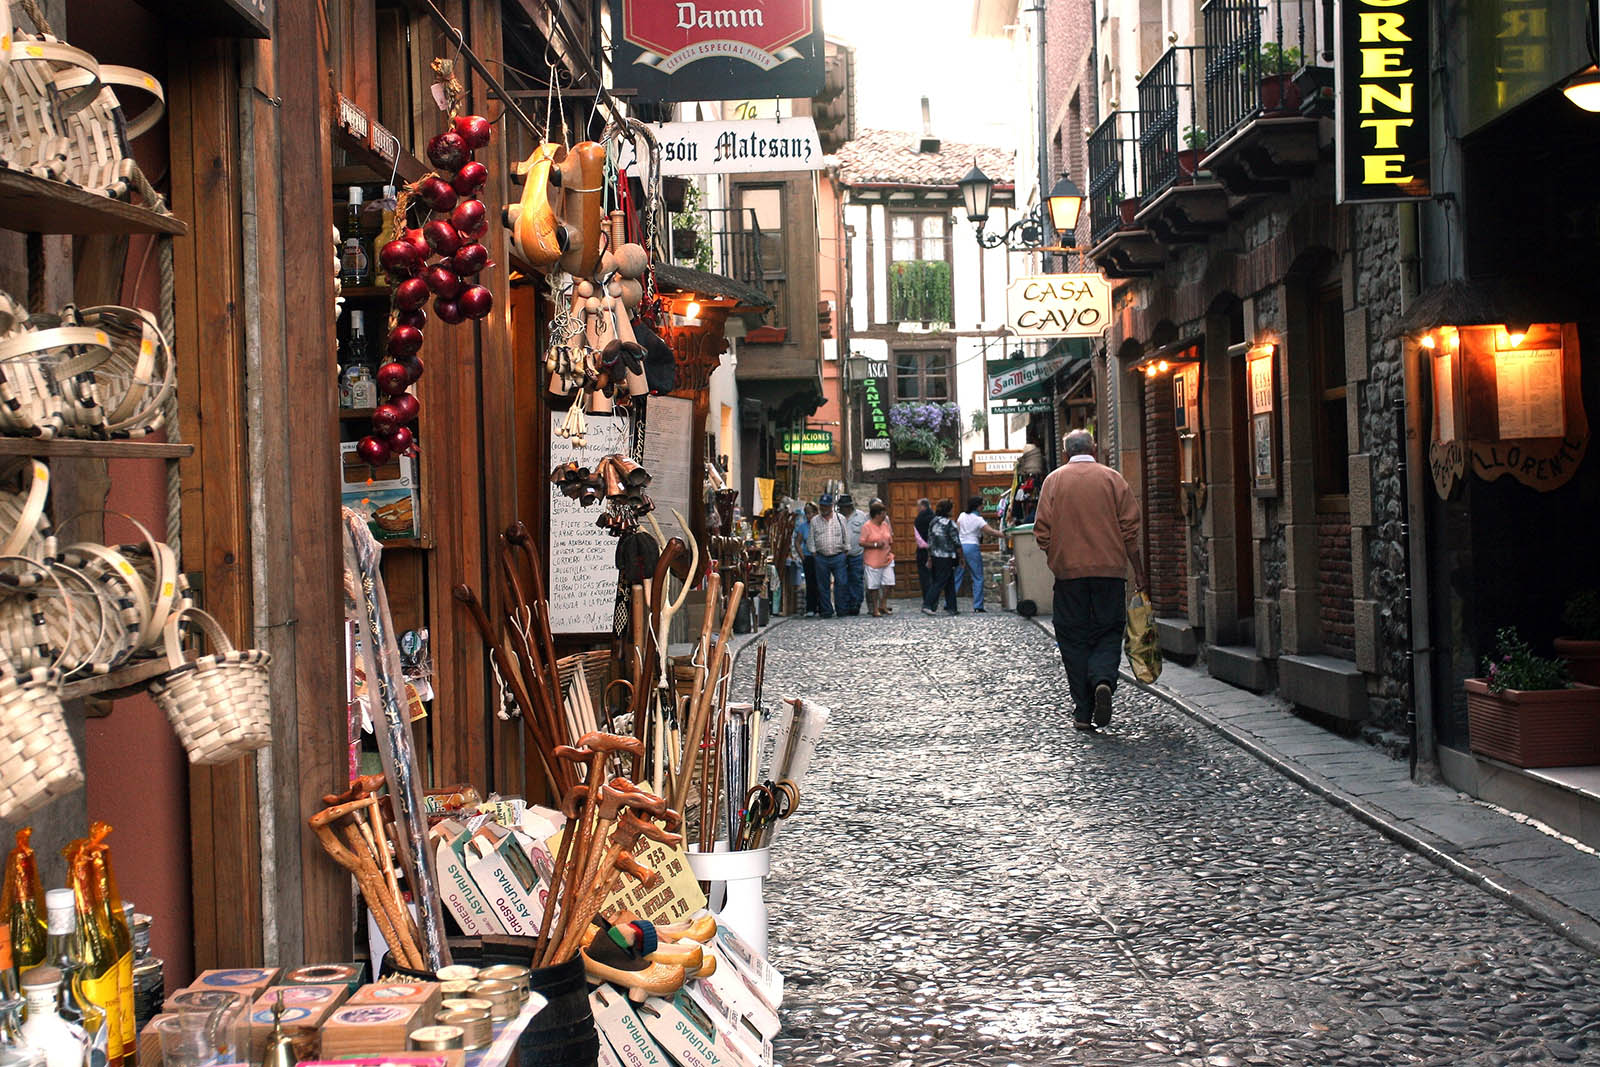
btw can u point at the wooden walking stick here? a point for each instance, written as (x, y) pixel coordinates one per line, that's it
(701, 710)
(572, 808)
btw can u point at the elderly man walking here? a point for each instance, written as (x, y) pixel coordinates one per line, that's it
(828, 541)
(1088, 526)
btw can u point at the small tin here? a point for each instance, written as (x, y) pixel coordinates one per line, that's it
(514, 973)
(504, 997)
(457, 972)
(476, 1028)
(436, 1038)
(459, 987)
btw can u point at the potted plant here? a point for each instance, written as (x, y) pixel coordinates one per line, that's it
(673, 192)
(1195, 140)
(691, 232)
(1279, 93)
(1581, 645)
(931, 429)
(1526, 711)
(1127, 208)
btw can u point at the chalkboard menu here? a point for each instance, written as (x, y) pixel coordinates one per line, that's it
(583, 569)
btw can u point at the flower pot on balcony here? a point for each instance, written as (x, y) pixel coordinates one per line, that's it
(1537, 728)
(1280, 95)
(1315, 85)
(1127, 209)
(685, 243)
(673, 191)
(1583, 659)
(1188, 164)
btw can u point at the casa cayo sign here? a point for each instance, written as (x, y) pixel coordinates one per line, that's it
(718, 49)
(1059, 305)
(1382, 101)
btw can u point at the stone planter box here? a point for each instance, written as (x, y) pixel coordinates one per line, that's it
(1544, 728)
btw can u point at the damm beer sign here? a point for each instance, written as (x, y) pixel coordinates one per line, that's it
(1382, 101)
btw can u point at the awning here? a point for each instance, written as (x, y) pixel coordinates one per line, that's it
(782, 402)
(1492, 301)
(671, 278)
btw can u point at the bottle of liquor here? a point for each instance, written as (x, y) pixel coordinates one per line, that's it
(22, 906)
(97, 949)
(105, 880)
(357, 387)
(149, 972)
(61, 954)
(64, 1044)
(355, 264)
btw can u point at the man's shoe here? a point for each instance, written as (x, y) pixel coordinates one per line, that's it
(811, 614)
(929, 611)
(1083, 724)
(1102, 704)
(952, 611)
(981, 611)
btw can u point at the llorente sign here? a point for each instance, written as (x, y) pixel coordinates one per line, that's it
(1059, 305)
(736, 147)
(1382, 99)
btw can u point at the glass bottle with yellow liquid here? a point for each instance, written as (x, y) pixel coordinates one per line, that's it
(96, 980)
(121, 936)
(22, 905)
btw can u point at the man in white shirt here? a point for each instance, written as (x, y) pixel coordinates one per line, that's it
(973, 526)
(855, 569)
(828, 542)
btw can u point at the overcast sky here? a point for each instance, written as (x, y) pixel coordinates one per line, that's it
(907, 49)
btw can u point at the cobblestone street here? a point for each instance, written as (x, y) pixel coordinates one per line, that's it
(971, 881)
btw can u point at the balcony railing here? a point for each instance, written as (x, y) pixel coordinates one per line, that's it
(1113, 171)
(1169, 113)
(1252, 51)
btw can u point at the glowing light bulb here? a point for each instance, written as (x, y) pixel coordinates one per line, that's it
(1516, 338)
(1428, 342)
(692, 311)
(1162, 366)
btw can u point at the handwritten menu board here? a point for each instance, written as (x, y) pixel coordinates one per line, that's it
(668, 443)
(583, 569)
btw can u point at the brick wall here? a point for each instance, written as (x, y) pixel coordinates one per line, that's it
(1166, 548)
(1334, 590)
(1069, 40)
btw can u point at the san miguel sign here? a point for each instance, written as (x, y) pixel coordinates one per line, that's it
(1383, 106)
(718, 50)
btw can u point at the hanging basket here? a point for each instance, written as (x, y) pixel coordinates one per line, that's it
(219, 704)
(38, 761)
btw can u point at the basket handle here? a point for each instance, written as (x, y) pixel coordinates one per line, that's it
(72, 613)
(32, 509)
(44, 49)
(220, 645)
(32, 342)
(130, 78)
(151, 341)
(119, 563)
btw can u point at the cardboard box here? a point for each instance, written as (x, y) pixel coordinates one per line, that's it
(733, 1003)
(386, 495)
(622, 1031)
(460, 893)
(687, 1034)
(362, 1029)
(425, 995)
(303, 1005)
(248, 982)
(349, 975)
(763, 977)
(499, 865)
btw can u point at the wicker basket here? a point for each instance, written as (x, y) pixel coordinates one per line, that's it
(47, 382)
(37, 618)
(33, 111)
(23, 524)
(38, 761)
(137, 383)
(97, 136)
(219, 704)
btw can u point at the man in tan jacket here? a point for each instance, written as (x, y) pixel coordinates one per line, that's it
(1088, 526)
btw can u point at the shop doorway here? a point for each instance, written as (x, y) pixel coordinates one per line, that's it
(902, 501)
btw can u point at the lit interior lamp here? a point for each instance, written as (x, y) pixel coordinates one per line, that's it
(692, 310)
(1150, 370)
(1584, 88)
(1162, 366)
(1516, 333)
(1428, 342)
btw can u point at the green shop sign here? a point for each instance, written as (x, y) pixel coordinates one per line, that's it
(807, 442)
(874, 417)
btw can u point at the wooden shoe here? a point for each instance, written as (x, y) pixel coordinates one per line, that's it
(635, 975)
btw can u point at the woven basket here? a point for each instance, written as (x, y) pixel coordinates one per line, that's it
(89, 626)
(33, 112)
(23, 524)
(38, 761)
(97, 136)
(47, 383)
(219, 704)
(137, 383)
(141, 578)
(37, 617)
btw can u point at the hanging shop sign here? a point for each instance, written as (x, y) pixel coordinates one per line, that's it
(806, 442)
(1059, 305)
(723, 50)
(582, 555)
(1032, 407)
(748, 146)
(995, 461)
(1013, 379)
(1264, 447)
(874, 417)
(1382, 101)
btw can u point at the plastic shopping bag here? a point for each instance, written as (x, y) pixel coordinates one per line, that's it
(1144, 649)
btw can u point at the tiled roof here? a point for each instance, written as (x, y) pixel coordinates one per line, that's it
(890, 157)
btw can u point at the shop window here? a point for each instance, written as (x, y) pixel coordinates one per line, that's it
(922, 374)
(920, 288)
(1333, 435)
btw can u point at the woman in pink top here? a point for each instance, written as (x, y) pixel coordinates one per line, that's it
(878, 558)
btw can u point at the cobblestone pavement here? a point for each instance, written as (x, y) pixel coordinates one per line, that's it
(971, 881)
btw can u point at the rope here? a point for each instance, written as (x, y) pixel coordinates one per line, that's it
(35, 243)
(167, 313)
(31, 9)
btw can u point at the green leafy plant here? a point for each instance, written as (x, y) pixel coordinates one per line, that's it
(920, 291)
(1196, 138)
(1276, 59)
(696, 221)
(925, 428)
(1581, 616)
(1512, 664)
(979, 420)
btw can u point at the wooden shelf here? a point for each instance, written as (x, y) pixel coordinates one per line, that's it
(408, 542)
(366, 292)
(39, 205)
(69, 448)
(133, 676)
(350, 414)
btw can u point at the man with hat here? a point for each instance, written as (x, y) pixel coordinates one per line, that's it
(854, 558)
(828, 543)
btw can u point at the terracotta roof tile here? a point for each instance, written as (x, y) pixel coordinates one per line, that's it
(890, 157)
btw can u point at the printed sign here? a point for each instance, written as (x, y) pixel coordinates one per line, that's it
(719, 49)
(1031, 407)
(874, 417)
(739, 147)
(1022, 377)
(995, 461)
(1059, 305)
(806, 442)
(1382, 101)
(583, 557)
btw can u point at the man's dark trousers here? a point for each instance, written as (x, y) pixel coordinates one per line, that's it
(924, 571)
(809, 563)
(1090, 615)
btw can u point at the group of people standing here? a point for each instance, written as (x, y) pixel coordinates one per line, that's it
(950, 552)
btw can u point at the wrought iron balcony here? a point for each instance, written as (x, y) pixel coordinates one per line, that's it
(1265, 59)
(733, 238)
(1113, 172)
(1170, 121)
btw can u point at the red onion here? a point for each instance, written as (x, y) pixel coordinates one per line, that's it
(405, 341)
(393, 378)
(385, 419)
(413, 368)
(441, 237)
(437, 193)
(470, 178)
(474, 130)
(470, 218)
(373, 450)
(414, 238)
(476, 302)
(400, 258)
(447, 151)
(448, 311)
(411, 294)
(407, 406)
(414, 317)
(469, 260)
(400, 440)
(445, 284)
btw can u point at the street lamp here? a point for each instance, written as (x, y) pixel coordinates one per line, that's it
(1064, 203)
